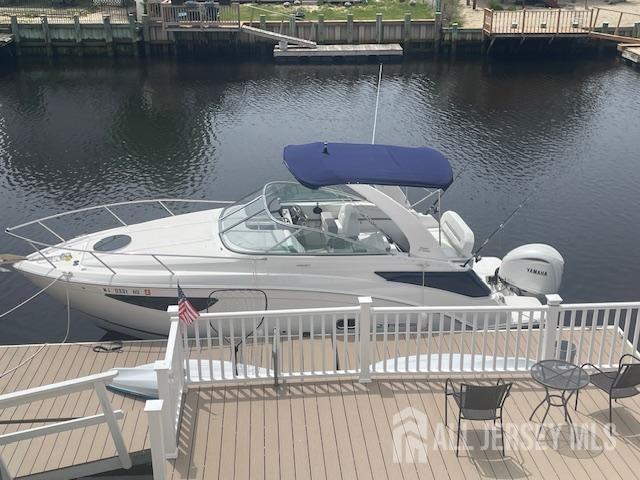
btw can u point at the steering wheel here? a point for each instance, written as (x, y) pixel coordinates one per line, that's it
(297, 215)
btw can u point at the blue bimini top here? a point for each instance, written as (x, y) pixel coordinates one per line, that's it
(320, 164)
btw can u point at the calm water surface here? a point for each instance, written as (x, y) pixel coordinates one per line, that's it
(73, 136)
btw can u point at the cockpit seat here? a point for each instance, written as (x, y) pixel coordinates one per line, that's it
(329, 223)
(457, 234)
(348, 222)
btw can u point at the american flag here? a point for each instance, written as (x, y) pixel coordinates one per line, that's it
(186, 312)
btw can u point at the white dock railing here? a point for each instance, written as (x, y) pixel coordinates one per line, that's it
(98, 382)
(365, 341)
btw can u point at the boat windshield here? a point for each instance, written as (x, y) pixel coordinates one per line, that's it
(287, 218)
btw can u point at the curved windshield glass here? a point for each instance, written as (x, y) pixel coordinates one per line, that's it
(287, 218)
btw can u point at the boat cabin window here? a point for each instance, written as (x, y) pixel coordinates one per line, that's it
(286, 218)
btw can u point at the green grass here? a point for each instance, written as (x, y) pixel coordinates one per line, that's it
(390, 10)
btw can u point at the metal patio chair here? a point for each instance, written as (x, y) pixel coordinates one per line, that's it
(477, 402)
(616, 384)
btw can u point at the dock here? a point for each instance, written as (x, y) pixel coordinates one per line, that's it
(5, 39)
(340, 51)
(251, 395)
(80, 451)
(630, 53)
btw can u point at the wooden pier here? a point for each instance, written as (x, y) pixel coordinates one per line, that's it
(554, 23)
(340, 51)
(630, 53)
(5, 39)
(75, 452)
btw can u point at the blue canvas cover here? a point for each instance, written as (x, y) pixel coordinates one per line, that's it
(318, 164)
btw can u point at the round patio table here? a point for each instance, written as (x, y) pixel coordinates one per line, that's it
(561, 376)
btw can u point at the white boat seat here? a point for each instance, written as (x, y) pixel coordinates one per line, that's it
(457, 233)
(329, 223)
(348, 222)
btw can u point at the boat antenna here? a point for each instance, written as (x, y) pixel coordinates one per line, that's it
(500, 227)
(375, 115)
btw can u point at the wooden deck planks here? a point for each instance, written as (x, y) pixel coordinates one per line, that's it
(341, 429)
(55, 363)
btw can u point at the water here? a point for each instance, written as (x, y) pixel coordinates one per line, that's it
(78, 135)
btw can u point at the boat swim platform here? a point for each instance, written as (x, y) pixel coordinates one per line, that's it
(340, 51)
(342, 429)
(77, 452)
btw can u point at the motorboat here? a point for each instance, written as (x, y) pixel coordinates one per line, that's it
(344, 228)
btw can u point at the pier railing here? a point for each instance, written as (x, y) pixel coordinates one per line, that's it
(62, 12)
(365, 340)
(542, 22)
(109, 416)
(194, 14)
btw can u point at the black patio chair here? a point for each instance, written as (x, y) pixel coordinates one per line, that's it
(477, 402)
(616, 384)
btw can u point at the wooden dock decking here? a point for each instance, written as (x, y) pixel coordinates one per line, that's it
(322, 428)
(5, 39)
(77, 452)
(340, 428)
(630, 53)
(329, 51)
(345, 430)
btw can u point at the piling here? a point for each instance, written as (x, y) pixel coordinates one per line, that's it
(77, 35)
(292, 25)
(350, 28)
(263, 22)
(636, 30)
(454, 38)
(46, 35)
(15, 31)
(406, 30)
(438, 33)
(146, 35)
(320, 27)
(108, 34)
(379, 27)
(134, 34)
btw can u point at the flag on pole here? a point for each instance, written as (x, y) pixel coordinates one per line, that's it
(186, 312)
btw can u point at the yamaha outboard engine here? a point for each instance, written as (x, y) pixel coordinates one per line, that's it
(534, 270)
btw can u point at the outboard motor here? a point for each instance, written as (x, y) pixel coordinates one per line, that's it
(534, 270)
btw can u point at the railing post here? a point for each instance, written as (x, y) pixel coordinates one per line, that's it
(550, 328)
(156, 437)
(4, 471)
(169, 412)
(365, 338)
(112, 422)
(275, 354)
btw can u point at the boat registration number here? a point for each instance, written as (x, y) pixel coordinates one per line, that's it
(126, 291)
